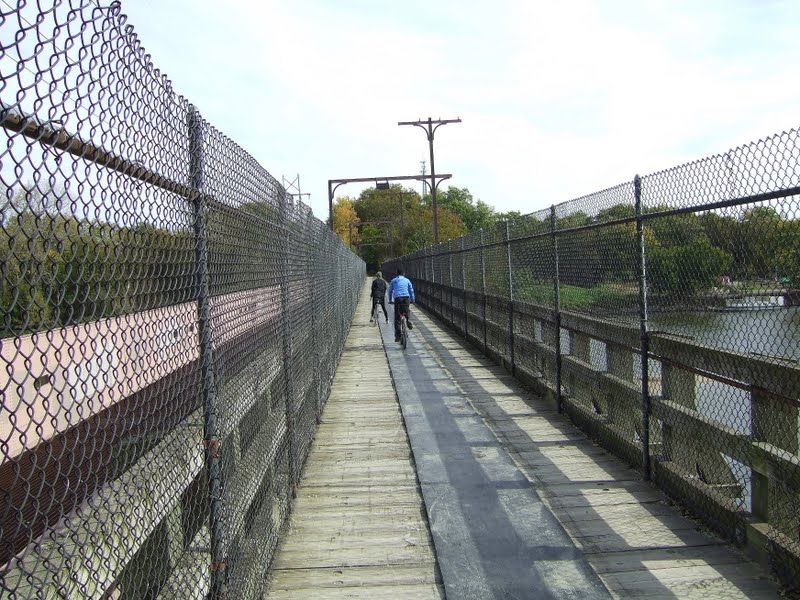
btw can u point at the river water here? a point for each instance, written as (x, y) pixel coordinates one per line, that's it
(770, 333)
(766, 333)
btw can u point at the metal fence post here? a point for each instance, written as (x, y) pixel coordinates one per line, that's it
(434, 283)
(211, 430)
(450, 279)
(483, 290)
(286, 336)
(431, 280)
(464, 286)
(434, 288)
(511, 356)
(314, 242)
(557, 308)
(643, 328)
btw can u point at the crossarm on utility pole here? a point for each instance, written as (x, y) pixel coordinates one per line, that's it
(333, 184)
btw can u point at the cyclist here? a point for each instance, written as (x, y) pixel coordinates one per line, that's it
(402, 293)
(378, 295)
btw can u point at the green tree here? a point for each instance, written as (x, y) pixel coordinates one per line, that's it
(579, 262)
(450, 227)
(681, 258)
(397, 213)
(787, 258)
(511, 215)
(679, 272)
(616, 245)
(159, 265)
(372, 246)
(725, 232)
(474, 215)
(760, 238)
(27, 276)
(59, 270)
(30, 199)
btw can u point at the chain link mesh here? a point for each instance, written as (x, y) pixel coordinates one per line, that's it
(171, 322)
(662, 316)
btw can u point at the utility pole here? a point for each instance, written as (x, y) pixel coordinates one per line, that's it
(422, 171)
(430, 126)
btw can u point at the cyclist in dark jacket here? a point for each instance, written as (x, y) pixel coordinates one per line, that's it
(378, 295)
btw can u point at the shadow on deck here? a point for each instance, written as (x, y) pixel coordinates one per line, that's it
(518, 503)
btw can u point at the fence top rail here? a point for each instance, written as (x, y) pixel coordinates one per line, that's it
(781, 180)
(58, 137)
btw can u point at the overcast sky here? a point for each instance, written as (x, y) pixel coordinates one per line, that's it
(558, 99)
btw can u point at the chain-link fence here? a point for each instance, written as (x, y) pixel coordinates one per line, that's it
(171, 321)
(663, 316)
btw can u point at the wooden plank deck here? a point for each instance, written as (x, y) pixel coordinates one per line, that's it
(358, 527)
(637, 543)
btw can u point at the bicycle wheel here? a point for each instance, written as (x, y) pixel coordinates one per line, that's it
(403, 333)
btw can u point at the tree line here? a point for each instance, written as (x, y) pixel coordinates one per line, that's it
(59, 268)
(385, 223)
(689, 257)
(686, 255)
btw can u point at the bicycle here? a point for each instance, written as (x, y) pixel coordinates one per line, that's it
(403, 328)
(374, 316)
(403, 331)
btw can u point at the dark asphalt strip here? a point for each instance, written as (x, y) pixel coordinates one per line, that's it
(494, 537)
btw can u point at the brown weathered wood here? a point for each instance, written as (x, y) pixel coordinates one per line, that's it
(369, 592)
(404, 575)
(670, 558)
(358, 527)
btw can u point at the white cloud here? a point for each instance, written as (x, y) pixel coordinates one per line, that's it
(557, 99)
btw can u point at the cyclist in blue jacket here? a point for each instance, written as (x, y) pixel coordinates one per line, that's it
(401, 292)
